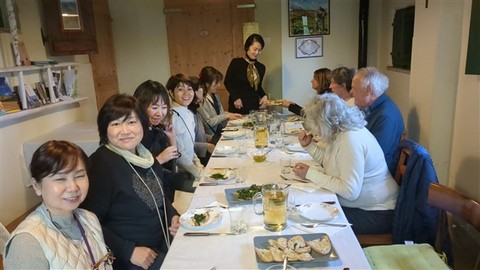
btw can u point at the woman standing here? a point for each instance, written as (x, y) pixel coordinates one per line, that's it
(353, 164)
(126, 191)
(58, 234)
(244, 78)
(320, 83)
(211, 110)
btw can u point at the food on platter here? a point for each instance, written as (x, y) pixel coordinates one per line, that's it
(321, 245)
(247, 193)
(295, 249)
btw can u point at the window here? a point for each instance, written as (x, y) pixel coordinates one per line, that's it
(402, 37)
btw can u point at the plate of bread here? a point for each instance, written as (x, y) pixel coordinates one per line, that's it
(200, 219)
(305, 250)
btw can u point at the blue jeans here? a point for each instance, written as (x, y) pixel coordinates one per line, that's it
(369, 222)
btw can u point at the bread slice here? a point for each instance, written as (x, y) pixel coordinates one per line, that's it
(305, 257)
(321, 245)
(282, 243)
(264, 254)
(296, 242)
(277, 254)
(291, 255)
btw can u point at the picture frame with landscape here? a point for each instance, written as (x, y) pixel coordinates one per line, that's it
(308, 17)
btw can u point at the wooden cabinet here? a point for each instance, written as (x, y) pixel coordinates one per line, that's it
(70, 36)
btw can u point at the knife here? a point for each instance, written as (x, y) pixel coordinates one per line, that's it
(207, 184)
(205, 234)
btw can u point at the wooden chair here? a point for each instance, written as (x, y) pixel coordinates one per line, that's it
(367, 240)
(450, 204)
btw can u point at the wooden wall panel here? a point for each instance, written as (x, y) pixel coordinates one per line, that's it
(205, 32)
(103, 63)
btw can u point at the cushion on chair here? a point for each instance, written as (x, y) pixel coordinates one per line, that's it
(418, 256)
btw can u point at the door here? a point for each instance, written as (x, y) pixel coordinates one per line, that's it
(205, 33)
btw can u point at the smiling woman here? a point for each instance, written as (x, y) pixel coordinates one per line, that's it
(58, 170)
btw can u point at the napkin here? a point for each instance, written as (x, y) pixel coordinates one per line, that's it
(307, 187)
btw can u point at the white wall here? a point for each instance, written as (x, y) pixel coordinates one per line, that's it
(464, 172)
(15, 197)
(339, 49)
(140, 42)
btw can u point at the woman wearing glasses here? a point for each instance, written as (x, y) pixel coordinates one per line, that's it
(58, 234)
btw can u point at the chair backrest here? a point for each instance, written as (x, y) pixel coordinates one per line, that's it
(402, 165)
(455, 204)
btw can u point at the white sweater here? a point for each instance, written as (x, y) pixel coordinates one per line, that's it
(184, 126)
(354, 168)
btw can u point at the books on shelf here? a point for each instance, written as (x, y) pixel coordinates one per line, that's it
(33, 100)
(8, 97)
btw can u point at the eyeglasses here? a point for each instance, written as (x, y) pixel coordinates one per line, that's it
(105, 260)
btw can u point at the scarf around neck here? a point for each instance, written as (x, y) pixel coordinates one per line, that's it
(252, 73)
(144, 159)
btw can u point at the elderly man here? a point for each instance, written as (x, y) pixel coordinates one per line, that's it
(383, 117)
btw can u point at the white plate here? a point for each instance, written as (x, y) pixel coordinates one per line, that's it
(234, 134)
(236, 122)
(214, 219)
(295, 147)
(225, 150)
(293, 131)
(317, 211)
(228, 175)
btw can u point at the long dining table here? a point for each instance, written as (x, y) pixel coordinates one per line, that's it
(237, 251)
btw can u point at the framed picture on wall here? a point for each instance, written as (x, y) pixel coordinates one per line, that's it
(309, 47)
(308, 17)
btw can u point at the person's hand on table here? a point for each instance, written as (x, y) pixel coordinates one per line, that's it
(300, 169)
(304, 138)
(234, 116)
(175, 224)
(286, 103)
(238, 104)
(143, 257)
(263, 102)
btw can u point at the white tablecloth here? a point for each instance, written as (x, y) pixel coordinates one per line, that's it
(237, 251)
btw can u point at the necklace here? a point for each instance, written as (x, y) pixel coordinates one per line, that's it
(163, 226)
(82, 233)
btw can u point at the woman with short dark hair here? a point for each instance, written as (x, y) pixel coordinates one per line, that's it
(58, 234)
(127, 188)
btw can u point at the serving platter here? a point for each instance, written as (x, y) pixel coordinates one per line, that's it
(318, 259)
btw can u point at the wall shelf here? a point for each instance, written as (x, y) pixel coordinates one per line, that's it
(16, 117)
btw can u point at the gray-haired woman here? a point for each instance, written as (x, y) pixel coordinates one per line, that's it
(353, 164)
